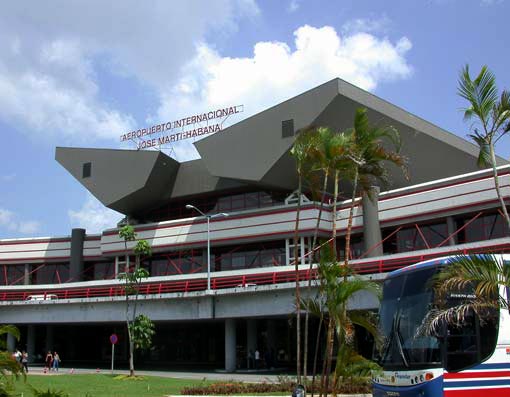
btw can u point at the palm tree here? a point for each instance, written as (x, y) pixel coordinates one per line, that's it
(369, 155)
(341, 322)
(10, 369)
(341, 147)
(301, 151)
(316, 307)
(487, 274)
(326, 152)
(493, 120)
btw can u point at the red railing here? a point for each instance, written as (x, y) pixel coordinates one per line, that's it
(365, 266)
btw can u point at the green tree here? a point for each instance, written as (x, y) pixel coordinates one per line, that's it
(10, 369)
(328, 154)
(314, 306)
(372, 149)
(486, 274)
(492, 114)
(338, 285)
(140, 328)
(301, 151)
(321, 157)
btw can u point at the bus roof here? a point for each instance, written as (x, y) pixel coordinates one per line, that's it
(431, 263)
(418, 266)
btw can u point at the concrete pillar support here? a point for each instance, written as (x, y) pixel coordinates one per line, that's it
(11, 343)
(371, 229)
(49, 338)
(251, 341)
(26, 277)
(31, 343)
(271, 334)
(450, 224)
(230, 345)
(76, 263)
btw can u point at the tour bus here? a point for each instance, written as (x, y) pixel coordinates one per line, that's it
(468, 360)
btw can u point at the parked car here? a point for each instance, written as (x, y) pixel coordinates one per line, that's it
(42, 297)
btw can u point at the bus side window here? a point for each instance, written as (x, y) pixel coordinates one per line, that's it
(506, 264)
(471, 343)
(508, 298)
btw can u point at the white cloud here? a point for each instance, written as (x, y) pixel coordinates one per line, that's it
(277, 72)
(10, 221)
(367, 25)
(49, 56)
(94, 216)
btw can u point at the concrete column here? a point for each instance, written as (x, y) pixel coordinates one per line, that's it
(371, 228)
(49, 339)
(11, 343)
(271, 334)
(26, 278)
(31, 343)
(230, 345)
(204, 261)
(450, 224)
(251, 341)
(76, 265)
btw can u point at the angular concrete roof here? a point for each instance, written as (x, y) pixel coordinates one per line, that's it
(255, 153)
(254, 150)
(124, 180)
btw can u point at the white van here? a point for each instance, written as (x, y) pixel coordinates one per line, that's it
(42, 297)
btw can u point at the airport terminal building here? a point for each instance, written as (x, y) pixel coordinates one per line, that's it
(64, 295)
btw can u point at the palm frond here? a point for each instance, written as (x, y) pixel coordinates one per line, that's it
(481, 93)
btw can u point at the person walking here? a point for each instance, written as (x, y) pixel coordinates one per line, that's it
(56, 362)
(24, 360)
(257, 359)
(17, 356)
(48, 361)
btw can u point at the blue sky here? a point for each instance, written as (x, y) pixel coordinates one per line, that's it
(81, 73)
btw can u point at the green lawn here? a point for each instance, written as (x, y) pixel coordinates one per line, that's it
(99, 385)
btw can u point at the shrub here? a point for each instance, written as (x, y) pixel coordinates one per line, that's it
(48, 393)
(283, 385)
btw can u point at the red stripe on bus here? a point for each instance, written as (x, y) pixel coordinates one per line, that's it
(488, 392)
(478, 374)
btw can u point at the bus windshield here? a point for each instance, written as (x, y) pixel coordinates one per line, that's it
(406, 300)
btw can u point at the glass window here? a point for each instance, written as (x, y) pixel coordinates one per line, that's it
(484, 227)
(406, 302)
(15, 274)
(473, 342)
(104, 270)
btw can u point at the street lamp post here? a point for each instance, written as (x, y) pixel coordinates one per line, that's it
(208, 218)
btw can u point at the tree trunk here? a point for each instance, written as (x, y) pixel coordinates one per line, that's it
(131, 354)
(317, 344)
(335, 199)
(312, 260)
(349, 223)
(498, 191)
(329, 354)
(298, 296)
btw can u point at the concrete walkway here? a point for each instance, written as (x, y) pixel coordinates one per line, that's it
(255, 377)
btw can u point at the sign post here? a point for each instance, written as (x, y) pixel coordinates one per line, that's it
(113, 341)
